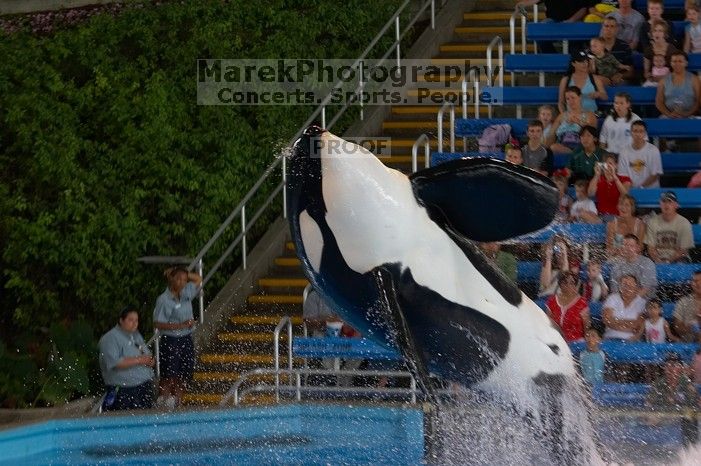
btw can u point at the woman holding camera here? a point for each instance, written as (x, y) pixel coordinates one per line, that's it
(558, 258)
(608, 186)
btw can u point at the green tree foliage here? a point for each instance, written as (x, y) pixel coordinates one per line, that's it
(105, 157)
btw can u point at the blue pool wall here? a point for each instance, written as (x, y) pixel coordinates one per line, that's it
(375, 434)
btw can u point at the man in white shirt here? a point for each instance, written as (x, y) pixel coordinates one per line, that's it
(669, 236)
(641, 161)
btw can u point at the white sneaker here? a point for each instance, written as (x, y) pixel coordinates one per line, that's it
(170, 403)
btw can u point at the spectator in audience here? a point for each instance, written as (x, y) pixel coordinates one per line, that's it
(583, 210)
(535, 155)
(629, 22)
(674, 390)
(315, 312)
(558, 258)
(173, 317)
(669, 236)
(598, 10)
(678, 93)
(659, 45)
(323, 322)
(591, 86)
(625, 223)
(583, 160)
(641, 161)
(615, 132)
(658, 72)
(692, 31)
(595, 288)
(592, 361)
(655, 328)
(126, 365)
(564, 137)
(687, 312)
(560, 179)
(608, 187)
(557, 11)
(568, 309)
(504, 261)
(618, 48)
(623, 310)
(633, 263)
(546, 115)
(604, 64)
(513, 154)
(655, 10)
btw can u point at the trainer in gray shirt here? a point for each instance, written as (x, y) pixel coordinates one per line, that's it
(116, 345)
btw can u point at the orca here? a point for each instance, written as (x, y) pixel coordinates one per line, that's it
(395, 256)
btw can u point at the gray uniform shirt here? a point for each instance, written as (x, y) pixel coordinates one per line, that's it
(170, 310)
(116, 345)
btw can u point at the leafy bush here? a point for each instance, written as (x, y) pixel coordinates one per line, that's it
(105, 157)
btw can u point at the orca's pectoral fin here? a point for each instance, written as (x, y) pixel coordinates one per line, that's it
(399, 330)
(486, 199)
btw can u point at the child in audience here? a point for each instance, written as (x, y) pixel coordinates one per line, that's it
(583, 209)
(658, 72)
(513, 154)
(546, 115)
(560, 178)
(692, 31)
(595, 289)
(655, 10)
(535, 155)
(603, 62)
(656, 328)
(592, 360)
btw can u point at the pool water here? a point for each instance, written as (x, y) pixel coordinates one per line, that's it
(288, 434)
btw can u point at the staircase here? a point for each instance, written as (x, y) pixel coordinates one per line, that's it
(247, 342)
(469, 43)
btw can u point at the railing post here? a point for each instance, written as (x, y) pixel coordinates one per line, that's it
(289, 347)
(323, 117)
(433, 14)
(361, 88)
(157, 355)
(398, 37)
(243, 238)
(298, 385)
(415, 149)
(284, 186)
(200, 271)
(452, 130)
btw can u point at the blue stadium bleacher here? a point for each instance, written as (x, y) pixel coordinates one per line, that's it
(536, 95)
(656, 127)
(559, 62)
(529, 271)
(578, 31)
(672, 162)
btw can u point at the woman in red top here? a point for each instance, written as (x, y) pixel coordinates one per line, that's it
(608, 186)
(568, 309)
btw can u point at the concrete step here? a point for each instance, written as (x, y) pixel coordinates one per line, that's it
(273, 282)
(498, 16)
(248, 337)
(208, 399)
(287, 262)
(272, 319)
(241, 359)
(275, 299)
(475, 48)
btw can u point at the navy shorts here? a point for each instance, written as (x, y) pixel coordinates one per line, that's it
(138, 397)
(177, 357)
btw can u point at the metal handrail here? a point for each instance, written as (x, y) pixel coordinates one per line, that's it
(512, 31)
(500, 53)
(439, 118)
(276, 349)
(423, 139)
(320, 112)
(235, 392)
